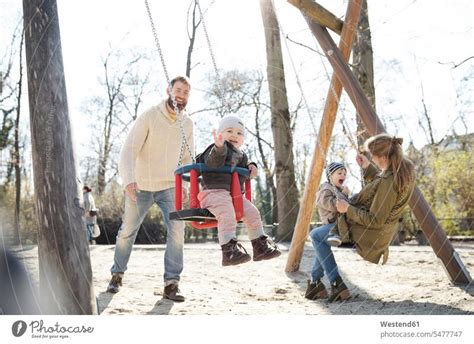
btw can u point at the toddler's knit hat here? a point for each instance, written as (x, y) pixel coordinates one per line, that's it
(230, 122)
(333, 167)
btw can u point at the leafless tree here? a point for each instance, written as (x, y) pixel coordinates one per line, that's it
(9, 90)
(363, 65)
(194, 20)
(287, 191)
(126, 80)
(16, 154)
(10, 104)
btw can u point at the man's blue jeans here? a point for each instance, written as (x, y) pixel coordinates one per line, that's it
(134, 214)
(324, 261)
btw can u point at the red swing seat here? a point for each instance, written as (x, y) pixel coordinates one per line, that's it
(202, 218)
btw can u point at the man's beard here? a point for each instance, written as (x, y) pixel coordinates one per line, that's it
(180, 106)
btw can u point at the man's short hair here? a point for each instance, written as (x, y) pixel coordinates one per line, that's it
(181, 78)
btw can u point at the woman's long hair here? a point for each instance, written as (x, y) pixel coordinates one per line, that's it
(391, 147)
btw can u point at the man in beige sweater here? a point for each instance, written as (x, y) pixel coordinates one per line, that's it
(148, 159)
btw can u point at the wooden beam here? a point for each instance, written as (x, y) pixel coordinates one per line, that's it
(322, 142)
(421, 209)
(350, 83)
(319, 14)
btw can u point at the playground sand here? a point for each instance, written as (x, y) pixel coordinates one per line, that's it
(412, 282)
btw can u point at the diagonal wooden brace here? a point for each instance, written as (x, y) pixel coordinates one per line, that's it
(322, 142)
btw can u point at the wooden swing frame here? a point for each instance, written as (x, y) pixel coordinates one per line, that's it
(318, 20)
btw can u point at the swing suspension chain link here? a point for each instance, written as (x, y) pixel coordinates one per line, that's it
(157, 42)
(184, 142)
(179, 115)
(297, 77)
(211, 52)
(162, 58)
(207, 39)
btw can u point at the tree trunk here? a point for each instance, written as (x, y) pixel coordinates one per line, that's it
(363, 66)
(105, 150)
(270, 185)
(16, 150)
(64, 261)
(287, 192)
(192, 40)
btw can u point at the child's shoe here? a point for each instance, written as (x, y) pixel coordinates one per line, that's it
(334, 240)
(316, 290)
(339, 291)
(234, 253)
(264, 248)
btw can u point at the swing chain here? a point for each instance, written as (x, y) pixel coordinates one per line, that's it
(157, 42)
(207, 39)
(184, 141)
(179, 114)
(220, 88)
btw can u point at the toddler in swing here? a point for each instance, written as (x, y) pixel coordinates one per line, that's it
(215, 196)
(327, 195)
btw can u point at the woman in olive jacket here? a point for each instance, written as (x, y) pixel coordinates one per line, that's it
(372, 214)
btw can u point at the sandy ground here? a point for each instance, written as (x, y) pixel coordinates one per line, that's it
(412, 282)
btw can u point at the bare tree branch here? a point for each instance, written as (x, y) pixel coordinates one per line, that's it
(456, 65)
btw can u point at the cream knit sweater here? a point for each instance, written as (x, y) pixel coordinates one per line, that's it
(150, 153)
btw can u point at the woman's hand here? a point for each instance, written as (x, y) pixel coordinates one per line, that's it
(218, 140)
(342, 206)
(362, 161)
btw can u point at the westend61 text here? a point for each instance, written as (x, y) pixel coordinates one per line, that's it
(38, 327)
(400, 324)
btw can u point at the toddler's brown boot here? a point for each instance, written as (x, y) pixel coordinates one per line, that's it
(264, 248)
(233, 253)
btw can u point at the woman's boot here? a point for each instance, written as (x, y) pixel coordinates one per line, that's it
(339, 291)
(316, 290)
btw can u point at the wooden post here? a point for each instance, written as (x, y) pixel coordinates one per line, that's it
(64, 262)
(322, 142)
(422, 211)
(319, 14)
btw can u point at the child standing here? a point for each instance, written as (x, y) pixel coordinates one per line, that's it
(228, 139)
(328, 193)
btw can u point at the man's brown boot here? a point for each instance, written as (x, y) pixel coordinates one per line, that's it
(115, 283)
(234, 253)
(171, 292)
(339, 291)
(264, 248)
(316, 290)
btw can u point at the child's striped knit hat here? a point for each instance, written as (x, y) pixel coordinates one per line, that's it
(333, 167)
